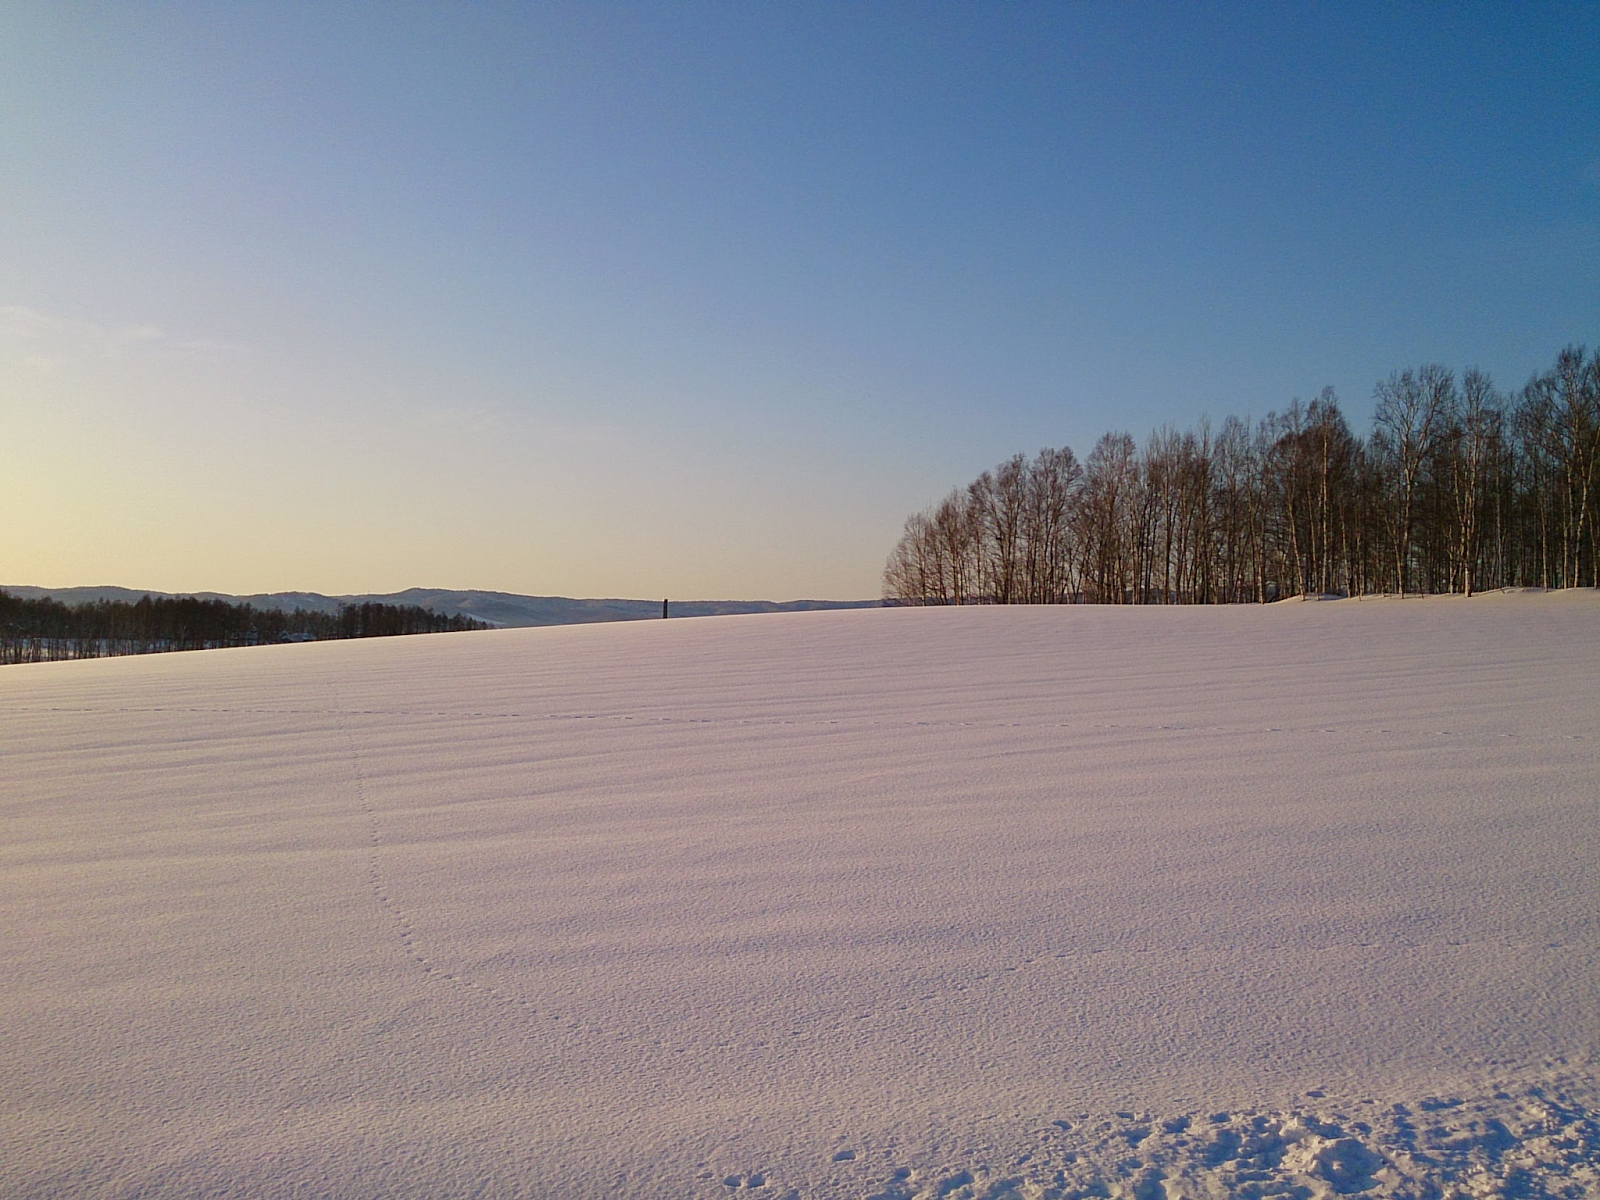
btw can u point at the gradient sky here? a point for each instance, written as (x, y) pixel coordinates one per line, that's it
(703, 300)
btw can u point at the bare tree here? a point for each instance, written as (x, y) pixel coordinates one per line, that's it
(999, 502)
(1108, 519)
(1456, 489)
(1238, 509)
(1050, 561)
(936, 559)
(1562, 426)
(1468, 449)
(1410, 414)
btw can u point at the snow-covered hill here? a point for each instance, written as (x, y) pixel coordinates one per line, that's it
(1293, 900)
(506, 609)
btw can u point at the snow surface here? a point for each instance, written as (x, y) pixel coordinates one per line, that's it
(1297, 900)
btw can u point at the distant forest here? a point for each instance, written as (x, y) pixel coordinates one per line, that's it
(47, 631)
(1458, 488)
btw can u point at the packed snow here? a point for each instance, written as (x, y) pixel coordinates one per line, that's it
(1299, 900)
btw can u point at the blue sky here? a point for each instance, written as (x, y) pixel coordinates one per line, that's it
(705, 299)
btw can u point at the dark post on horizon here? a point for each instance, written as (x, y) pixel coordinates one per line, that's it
(663, 610)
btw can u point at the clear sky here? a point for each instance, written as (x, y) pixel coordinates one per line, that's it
(703, 300)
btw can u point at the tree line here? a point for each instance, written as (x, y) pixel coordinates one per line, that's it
(1458, 487)
(46, 630)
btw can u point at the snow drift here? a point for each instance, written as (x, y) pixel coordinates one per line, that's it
(1027, 901)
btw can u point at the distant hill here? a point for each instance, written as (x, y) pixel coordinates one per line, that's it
(497, 608)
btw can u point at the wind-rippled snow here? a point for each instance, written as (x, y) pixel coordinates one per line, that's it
(1297, 900)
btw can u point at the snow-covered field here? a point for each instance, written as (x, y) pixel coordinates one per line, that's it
(1292, 900)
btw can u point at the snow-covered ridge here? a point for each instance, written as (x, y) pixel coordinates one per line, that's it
(506, 609)
(1290, 900)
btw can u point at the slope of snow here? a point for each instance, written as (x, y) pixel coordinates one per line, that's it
(972, 902)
